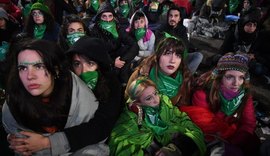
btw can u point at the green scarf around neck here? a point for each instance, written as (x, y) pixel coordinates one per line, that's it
(152, 120)
(74, 37)
(229, 106)
(39, 31)
(109, 27)
(139, 33)
(90, 78)
(166, 85)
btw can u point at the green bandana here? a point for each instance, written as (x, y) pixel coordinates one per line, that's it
(166, 85)
(154, 7)
(229, 106)
(165, 9)
(113, 3)
(233, 4)
(90, 78)
(152, 120)
(110, 27)
(95, 5)
(140, 33)
(39, 31)
(72, 38)
(3, 50)
(124, 10)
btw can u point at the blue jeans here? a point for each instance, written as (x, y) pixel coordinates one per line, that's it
(194, 60)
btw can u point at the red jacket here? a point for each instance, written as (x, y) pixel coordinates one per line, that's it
(226, 127)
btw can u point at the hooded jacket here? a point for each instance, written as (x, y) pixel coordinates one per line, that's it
(123, 46)
(147, 43)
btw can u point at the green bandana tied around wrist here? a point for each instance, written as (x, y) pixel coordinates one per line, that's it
(39, 31)
(72, 38)
(110, 27)
(166, 85)
(229, 106)
(124, 10)
(94, 5)
(90, 78)
(139, 33)
(152, 119)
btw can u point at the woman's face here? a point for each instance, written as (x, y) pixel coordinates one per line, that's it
(81, 65)
(34, 75)
(250, 27)
(38, 17)
(233, 80)
(106, 16)
(149, 97)
(140, 23)
(2, 23)
(169, 62)
(75, 27)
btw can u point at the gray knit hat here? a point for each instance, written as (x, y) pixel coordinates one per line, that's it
(3, 14)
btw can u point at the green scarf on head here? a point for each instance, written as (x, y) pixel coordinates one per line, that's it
(39, 31)
(140, 33)
(124, 10)
(110, 27)
(152, 120)
(94, 5)
(166, 85)
(90, 78)
(229, 106)
(72, 38)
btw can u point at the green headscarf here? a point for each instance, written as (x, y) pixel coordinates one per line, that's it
(90, 78)
(166, 85)
(72, 38)
(124, 10)
(110, 27)
(140, 33)
(39, 31)
(229, 106)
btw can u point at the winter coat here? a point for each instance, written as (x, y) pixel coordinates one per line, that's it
(83, 107)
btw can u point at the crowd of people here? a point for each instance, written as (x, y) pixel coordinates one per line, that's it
(96, 77)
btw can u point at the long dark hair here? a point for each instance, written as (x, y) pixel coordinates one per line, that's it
(31, 111)
(48, 21)
(183, 96)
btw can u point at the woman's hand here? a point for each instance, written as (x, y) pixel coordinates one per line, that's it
(32, 143)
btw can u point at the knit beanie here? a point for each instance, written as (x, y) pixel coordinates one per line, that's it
(39, 5)
(232, 61)
(93, 48)
(3, 14)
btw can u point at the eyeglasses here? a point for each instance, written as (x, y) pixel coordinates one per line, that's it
(35, 14)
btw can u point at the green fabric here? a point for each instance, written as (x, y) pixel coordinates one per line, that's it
(72, 38)
(26, 10)
(110, 27)
(39, 31)
(90, 78)
(140, 33)
(3, 50)
(39, 5)
(166, 85)
(233, 4)
(229, 106)
(113, 2)
(152, 120)
(124, 10)
(165, 9)
(127, 138)
(95, 5)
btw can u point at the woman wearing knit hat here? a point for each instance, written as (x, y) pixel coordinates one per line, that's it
(41, 24)
(223, 106)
